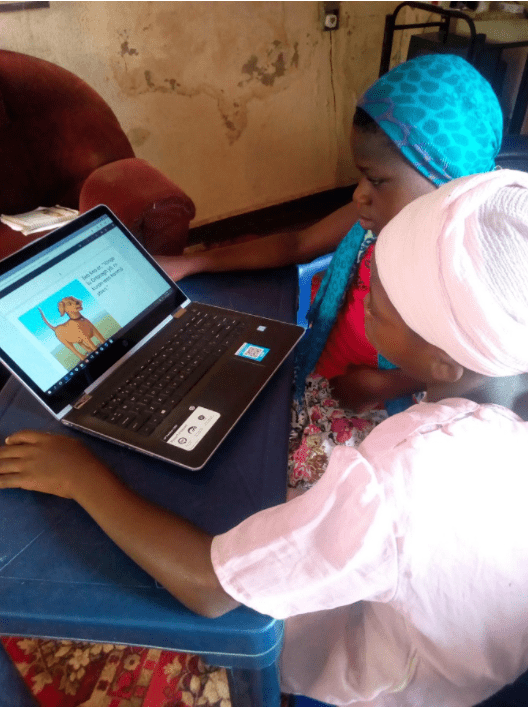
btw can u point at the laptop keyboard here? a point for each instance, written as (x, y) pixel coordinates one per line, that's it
(147, 396)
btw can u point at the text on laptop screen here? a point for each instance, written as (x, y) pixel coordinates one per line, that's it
(57, 308)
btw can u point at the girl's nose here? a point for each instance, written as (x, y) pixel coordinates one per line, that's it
(362, 193)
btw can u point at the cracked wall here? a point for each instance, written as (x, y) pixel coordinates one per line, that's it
(243, 104)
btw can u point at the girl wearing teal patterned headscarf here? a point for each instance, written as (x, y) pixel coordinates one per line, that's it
(446, 121)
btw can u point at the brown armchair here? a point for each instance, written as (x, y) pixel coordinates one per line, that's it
(60, 143)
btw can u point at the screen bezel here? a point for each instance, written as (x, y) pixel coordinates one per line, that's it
(123, 341)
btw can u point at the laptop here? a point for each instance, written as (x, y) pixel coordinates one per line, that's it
(97, 331)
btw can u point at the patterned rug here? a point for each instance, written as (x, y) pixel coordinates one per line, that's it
(74, 674)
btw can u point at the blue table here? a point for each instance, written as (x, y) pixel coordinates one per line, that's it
(61, 577)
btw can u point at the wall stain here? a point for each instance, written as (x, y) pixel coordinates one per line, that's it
(264, 73)
(295, 58)
(125, 49)
(173, 83)
(270, 70)
(250, 66)
(138, 136)
(155, 87)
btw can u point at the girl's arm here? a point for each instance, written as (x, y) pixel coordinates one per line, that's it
(285, 248)
(170, 549)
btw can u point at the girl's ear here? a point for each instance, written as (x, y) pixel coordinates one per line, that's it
(443, 368)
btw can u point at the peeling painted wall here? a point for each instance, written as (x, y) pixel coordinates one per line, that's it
(243, 104)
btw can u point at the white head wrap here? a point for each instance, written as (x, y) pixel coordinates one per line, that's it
(454, 263)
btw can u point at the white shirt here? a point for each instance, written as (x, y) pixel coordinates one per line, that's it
(403, 573)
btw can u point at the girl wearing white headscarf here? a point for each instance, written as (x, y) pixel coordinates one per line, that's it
(403, 573)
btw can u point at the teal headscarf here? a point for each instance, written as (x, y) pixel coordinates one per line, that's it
(445, 119)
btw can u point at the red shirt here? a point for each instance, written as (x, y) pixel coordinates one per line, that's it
(347, 344)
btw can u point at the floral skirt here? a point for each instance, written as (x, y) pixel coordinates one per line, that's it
(318, 426)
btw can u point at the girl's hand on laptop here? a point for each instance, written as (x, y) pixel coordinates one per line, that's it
(37, 461)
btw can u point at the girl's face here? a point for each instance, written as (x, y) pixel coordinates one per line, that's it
(387, 183)
(390, 335)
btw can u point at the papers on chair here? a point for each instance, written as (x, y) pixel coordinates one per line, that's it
(43, 218)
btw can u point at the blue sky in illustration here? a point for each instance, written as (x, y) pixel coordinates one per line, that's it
(33, 321)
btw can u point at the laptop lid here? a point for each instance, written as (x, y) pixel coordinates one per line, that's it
(91, 270)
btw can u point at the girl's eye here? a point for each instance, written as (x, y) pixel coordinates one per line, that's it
(376, 182)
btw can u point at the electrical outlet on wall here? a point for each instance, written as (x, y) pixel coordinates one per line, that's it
(330, 16)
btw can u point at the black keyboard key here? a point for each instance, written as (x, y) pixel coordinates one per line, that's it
(127, 419)
(114, 418)
(173, 400)
(137, 422)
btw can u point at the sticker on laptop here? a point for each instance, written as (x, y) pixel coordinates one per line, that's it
(253, 352)
(194, 429)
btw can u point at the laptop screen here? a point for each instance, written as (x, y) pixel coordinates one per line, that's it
(77, 302)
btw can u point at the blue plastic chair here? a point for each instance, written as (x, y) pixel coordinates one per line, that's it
(306, 271)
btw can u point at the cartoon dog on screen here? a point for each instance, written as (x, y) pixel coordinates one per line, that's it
(78, 330)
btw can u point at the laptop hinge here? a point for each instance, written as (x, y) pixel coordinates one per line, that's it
(62, 413)
(82, 401)
(181, 309)
(124, 358)
(87, 393)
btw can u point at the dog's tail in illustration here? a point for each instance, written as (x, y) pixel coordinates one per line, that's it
(45, 320)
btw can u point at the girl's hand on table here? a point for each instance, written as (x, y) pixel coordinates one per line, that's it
(178, 266)
(175, 552)
(37, 461)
